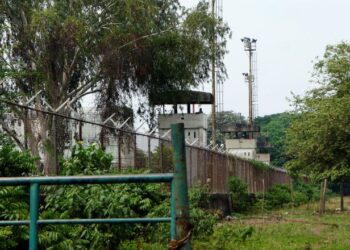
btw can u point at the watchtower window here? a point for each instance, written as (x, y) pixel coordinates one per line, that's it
(194, 135)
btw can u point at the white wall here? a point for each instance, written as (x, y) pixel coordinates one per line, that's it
(196, 126)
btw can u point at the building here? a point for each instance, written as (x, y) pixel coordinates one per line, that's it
(244, 148)
(195, 121)
(195, 124)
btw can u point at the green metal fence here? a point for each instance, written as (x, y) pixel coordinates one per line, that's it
(35, 182)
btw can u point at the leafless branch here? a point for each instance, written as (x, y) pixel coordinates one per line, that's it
(12, 133)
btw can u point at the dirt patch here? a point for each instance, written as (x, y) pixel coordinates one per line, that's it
(317, 229)
(318, 226)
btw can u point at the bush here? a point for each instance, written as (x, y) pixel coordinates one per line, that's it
(311, 190)
(95, 201)
(241, 200)
(299, 198)
(14, 200)
(199, 196)
(202, 219)
(277, 196)
(87, 161)
(203, 222)
(14, 162)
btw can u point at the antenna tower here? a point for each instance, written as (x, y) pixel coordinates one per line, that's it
(219, 83)
(251, 78)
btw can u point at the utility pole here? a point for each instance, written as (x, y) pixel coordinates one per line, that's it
(213, 77)
(250, 47)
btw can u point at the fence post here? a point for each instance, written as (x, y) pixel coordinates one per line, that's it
(183, 227)
(34, 211)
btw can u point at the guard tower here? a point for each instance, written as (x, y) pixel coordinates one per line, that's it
(195, 121)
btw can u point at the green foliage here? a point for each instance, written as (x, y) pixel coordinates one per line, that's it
(14, 162)
(299, 198)
(13, 206)
(199, 196)
(87, 161)
(224, 118)
(164, 153)
(296, 228)
(277, 196)
(310, 190)
(14, 200)
(99, 201)
(95, 201)
(318, 137)
(227, 237)
(139, 47)
(259, 164)
(202, 218)
(274, 127)
(241, 200)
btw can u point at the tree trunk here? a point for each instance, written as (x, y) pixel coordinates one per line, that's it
(342, 195)
(323, 197)
(31, 139)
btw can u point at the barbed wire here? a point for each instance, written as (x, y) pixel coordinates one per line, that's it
(79, 119)
(210, 148)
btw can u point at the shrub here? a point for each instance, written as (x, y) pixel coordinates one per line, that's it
(259, 164)
(14, 200)
(14, 162)
(98, 201)
(241, 200)
(86, 161)
(199, 196)
(299, 198)
(277, 196)
(311, 190)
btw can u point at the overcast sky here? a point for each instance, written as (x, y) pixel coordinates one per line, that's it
(290, 33)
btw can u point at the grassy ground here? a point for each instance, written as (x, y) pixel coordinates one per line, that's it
(298, 228)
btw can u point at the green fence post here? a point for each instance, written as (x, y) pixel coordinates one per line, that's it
(172, 212)
(34, 211)
(180, 183)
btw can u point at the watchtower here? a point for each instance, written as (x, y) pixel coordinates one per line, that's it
(195, 121)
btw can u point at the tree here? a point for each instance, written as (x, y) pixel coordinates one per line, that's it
(274, 127)
(318, 139)
(114, 48)
(224, 118)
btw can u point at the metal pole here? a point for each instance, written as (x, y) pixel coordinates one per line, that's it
(34, 214)
(213, 78)
(172, 212)
(161, 156)
(180, 182)
(54, 171)
(119, 151)
(149, 152)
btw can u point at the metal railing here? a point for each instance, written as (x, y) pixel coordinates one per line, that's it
(35, 182)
